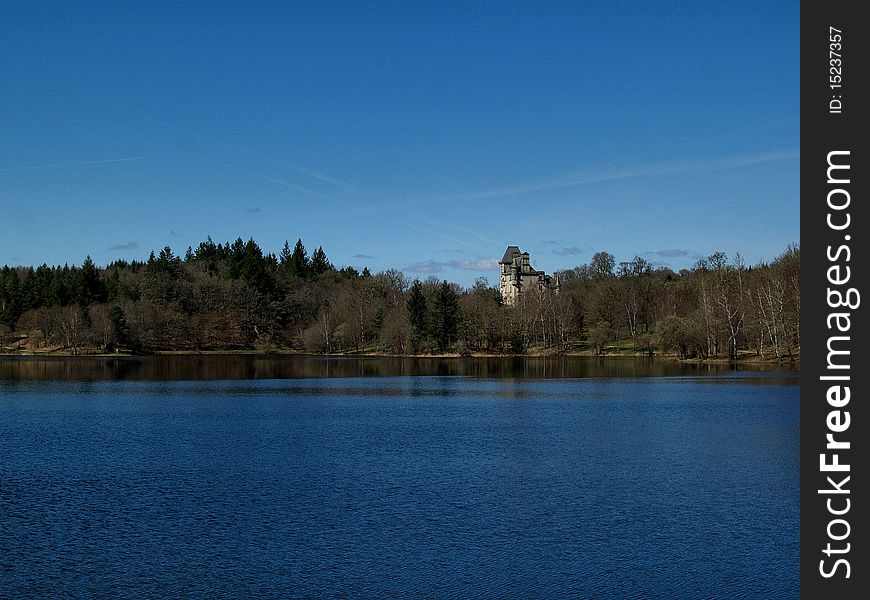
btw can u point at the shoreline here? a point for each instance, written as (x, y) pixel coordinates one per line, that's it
(747, 359)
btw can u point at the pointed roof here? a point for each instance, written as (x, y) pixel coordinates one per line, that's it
(509, 255)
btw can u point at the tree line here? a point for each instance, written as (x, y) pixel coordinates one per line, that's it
(234, 296)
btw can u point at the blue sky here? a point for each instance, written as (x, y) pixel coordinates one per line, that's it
(420, 136)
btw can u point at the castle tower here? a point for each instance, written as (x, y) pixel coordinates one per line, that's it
(516, 276)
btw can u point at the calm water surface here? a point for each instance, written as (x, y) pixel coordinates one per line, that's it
(399, 485)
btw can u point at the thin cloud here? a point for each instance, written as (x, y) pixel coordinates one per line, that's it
(364, 256)
(465, 234)
(227, 146)
(122, 247)
(570, 251)
(74, 164)
(335, 181)
(253, 210)
(425, 266)
(487, 264)
(325, 178)
(274, 180)
(671, 253)
(590, 176)
(434, 266)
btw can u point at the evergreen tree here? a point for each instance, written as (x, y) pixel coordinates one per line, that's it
(349, 273)
(254, 268)
(11, 301)
(418, 314)
(119, 324)
(206, 250)
(91, 288)
(285, 256)
(29, 290)
(209, 253)
(43, 280)
(61, 292)
(445, 315)
(319, 263)
(167, 262)
(299, 263)
(236, 254)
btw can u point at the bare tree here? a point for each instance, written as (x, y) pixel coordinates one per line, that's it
(72, 327)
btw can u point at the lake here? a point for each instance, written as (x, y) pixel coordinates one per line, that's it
(307, 477)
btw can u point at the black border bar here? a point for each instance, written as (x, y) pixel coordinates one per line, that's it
(835, 224)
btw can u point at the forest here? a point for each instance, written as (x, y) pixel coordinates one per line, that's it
(235, 297)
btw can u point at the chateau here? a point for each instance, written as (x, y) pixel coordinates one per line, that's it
(516, 276)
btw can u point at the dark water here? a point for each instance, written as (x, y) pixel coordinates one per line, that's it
(211, 367)
(406, 486)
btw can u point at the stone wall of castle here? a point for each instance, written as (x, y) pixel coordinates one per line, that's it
(517, 277)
